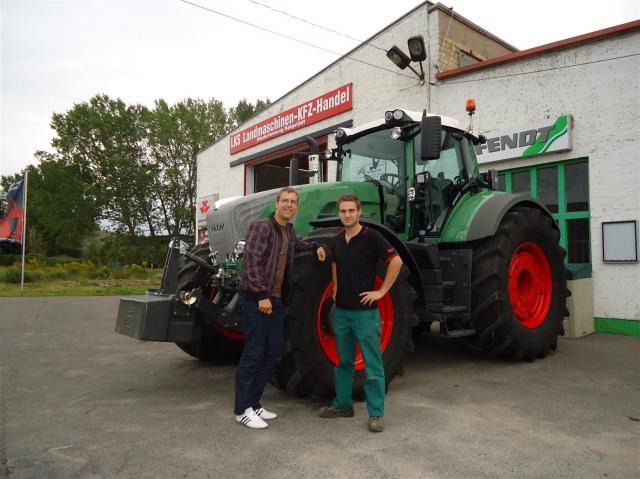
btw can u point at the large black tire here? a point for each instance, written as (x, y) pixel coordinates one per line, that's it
(519, 287)
(307, 369)
(213, 345)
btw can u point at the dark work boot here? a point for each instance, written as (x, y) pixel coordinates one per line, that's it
(332, 411)
(376, 424)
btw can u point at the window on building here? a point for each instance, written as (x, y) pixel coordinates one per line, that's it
(521, 182)
(577, 181)
(564, 189)
(548, 187)
(465, 59)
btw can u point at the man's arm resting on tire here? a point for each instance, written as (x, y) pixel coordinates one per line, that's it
(305, 245)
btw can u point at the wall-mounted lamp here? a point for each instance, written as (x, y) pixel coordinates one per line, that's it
(417, 51)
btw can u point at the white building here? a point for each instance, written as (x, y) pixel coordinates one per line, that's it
(582, 93)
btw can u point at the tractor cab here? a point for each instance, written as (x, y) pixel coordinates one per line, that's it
(421, 165)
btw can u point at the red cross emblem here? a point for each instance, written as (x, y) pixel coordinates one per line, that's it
(205, 206)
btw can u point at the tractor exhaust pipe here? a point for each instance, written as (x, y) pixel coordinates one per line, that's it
(294, 165)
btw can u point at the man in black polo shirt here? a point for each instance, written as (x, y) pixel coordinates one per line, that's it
(356, 252)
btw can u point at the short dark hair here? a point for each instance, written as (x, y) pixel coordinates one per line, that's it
(344, 198)
(286, 189)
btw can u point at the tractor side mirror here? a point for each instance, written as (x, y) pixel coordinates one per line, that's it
(493, 179)
(431, 139)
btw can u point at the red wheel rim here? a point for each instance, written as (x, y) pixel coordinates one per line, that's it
(327, 339)
(229, 333)
(530, 285)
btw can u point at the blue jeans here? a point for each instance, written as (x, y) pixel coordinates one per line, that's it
(262, 350)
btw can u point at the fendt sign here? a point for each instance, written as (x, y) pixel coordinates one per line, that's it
(548, 136)
(330, 104)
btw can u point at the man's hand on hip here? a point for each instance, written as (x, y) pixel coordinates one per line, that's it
(264, 305)
(322, 255)
(369, 297)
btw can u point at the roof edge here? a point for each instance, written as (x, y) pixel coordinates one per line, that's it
(323, 69)
(549, 47)
(449, 10)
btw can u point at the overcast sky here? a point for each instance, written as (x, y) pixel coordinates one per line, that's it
(57, 53)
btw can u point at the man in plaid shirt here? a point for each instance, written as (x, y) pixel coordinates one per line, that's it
(266, 281)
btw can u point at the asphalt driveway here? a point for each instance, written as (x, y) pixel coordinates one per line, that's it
(79, 400)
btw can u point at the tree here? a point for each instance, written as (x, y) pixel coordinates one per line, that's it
(176, 134)
(59, 210)
(126, 167)
(104, 141)
(244, 110)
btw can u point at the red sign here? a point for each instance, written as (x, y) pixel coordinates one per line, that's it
(205, 206)
(320, 108)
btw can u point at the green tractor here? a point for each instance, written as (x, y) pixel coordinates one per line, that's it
(483, 264)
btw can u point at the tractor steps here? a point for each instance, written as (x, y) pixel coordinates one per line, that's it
(458, 333)
(453, 309)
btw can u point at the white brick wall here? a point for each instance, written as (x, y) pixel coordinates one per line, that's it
(604, 99)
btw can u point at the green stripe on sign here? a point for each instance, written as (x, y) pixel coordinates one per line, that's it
(625, 327)
(559, 129)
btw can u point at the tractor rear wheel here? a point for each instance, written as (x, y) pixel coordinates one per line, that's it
(519, 287)
(307, 367)
(215, 343)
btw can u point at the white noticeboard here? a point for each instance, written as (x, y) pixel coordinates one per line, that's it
(619, 242)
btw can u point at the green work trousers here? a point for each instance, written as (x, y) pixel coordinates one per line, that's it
(364, 326)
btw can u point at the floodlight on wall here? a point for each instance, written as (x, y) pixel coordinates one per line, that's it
(417, 51)
(416, 48)
(398, 57)
(402, 60)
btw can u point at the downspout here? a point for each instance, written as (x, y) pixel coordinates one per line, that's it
(429, 60)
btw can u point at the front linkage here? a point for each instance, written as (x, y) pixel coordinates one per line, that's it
(191, 288)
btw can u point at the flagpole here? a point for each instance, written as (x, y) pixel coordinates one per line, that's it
(24, 226)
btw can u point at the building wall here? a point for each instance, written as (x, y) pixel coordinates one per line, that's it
(604, 98)
(374, 91)
(600, 92)
(456, 36)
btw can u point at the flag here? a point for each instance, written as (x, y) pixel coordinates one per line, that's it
(11, 221)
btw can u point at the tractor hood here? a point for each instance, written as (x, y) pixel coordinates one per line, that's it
(229, 223)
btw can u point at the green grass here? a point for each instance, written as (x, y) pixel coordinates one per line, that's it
(80, 288)
(78, 279)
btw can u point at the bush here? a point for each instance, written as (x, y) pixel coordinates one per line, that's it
(37, 269)
(13, 275)
(9, 259)
(122, 249)
(131, 271)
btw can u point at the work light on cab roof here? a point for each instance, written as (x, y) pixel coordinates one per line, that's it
(396, 116)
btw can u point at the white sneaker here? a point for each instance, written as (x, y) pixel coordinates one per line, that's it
(251, 420)
(264, 414)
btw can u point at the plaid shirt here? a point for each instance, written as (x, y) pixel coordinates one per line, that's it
(263, 243)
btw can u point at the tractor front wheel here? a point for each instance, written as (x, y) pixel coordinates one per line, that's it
(215, 343)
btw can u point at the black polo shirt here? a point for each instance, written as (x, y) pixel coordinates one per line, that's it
(356, 264)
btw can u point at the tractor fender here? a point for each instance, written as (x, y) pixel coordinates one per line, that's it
(415, 279)
(487, 219)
